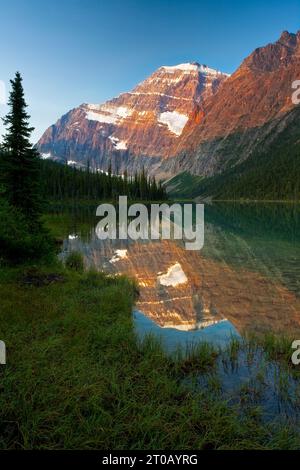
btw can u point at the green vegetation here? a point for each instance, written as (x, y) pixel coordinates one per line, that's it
(19, 162)
(27, 182)
(62, 182)
(76, 377)
(19, 242)
(272, 174)
(74, 261)
(184, 185)
(22, 234)
(63, 221)
(277, 348)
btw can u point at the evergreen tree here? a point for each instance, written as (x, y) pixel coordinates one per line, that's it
(20, 161)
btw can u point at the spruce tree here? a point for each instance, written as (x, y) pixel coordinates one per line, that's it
(21, 162)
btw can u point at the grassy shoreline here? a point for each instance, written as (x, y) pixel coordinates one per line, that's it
(77, 377)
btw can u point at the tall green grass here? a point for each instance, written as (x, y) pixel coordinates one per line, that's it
(78, 378)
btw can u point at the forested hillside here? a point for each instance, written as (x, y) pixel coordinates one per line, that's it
(65, 182)
(272, 174)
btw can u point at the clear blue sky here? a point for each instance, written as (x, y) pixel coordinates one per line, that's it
(75, 51)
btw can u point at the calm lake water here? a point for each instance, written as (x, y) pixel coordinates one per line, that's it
(245, 279)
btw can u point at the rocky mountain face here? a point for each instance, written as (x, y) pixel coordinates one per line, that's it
(138, 128)
(186, 117)
(248, 112)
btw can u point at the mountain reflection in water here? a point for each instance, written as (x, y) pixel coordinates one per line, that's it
(219, 332)
(246, 278)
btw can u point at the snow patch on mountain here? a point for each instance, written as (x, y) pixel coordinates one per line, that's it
(107, 114)
(194, 67)
(118, 255)
(209, 71)
(184, 67)
(121, 145)
(146, 121)
(173, 277)
(174, 120)
(118, 144)
(105, 118)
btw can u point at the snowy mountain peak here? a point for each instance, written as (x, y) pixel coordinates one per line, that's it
(193, 67)
(146, 121)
